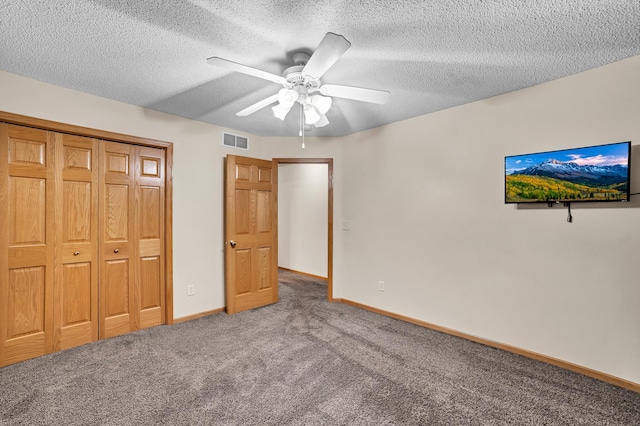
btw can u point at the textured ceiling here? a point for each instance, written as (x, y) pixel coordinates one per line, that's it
(431, 55)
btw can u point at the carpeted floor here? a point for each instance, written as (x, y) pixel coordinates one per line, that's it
(303, 361)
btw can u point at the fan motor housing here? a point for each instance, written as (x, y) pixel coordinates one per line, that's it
(296, 79)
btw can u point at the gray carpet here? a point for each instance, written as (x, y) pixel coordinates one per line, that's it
(303, 361)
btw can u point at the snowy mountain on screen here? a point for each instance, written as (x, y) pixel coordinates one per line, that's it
(584, 175)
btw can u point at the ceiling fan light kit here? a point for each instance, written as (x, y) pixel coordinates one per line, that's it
(287, 97)
(314, 106)
(280, 111)
(301, 83)
(311, 115)
(321, 103)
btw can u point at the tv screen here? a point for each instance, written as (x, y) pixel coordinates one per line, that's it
(594, 173)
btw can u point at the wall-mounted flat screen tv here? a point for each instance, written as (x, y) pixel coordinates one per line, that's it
(594, 173)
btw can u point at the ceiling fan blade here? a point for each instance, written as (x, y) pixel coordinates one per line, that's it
(234, 66)
(356, 93)
(327, 53)
(257, 106)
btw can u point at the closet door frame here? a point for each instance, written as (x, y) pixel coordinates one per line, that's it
(54, 126)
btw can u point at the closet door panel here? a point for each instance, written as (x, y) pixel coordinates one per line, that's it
(76, 290)
(27, 200)
(117, 235)
(25, 327)
(150, 293)
(76, 310)
(116, 287)
(150, 235)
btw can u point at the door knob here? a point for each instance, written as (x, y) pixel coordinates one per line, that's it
(116, 250)
(232, 244)
(75, 253)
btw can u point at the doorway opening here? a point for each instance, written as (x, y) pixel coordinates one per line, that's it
(295, 254)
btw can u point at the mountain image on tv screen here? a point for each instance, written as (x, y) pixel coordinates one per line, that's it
(596, 173)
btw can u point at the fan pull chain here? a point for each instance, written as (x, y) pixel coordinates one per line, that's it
(301, 133)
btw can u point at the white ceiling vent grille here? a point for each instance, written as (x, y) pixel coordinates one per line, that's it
(235, 141)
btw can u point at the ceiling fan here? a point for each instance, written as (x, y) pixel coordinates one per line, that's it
(301, 83)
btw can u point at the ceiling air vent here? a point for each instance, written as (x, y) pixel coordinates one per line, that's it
(235, 141)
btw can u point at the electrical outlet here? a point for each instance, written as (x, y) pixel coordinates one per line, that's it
(190, 290)
(346, 225)
(381, 285)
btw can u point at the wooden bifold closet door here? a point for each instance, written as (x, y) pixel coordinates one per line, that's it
(81, 240)
(131, 238)
(27, 200)
(76, 283)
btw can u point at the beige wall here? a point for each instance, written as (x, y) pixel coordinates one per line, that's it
(426, 205)
(424, 198)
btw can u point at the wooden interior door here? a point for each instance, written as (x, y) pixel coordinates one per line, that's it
(117, 251)
(76, 284)
(251, 254)
(150, 235)
(27, 238)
